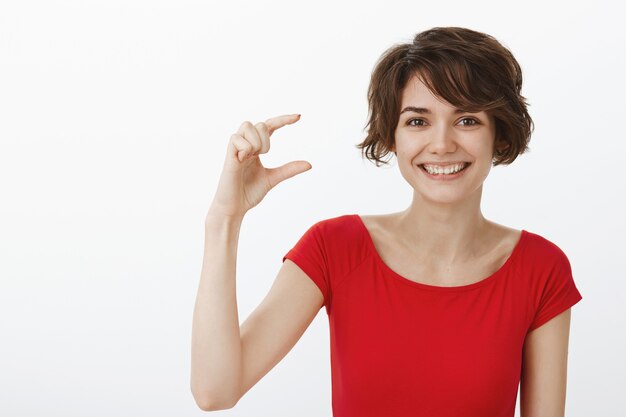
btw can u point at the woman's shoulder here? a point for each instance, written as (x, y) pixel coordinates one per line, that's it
(343, 241)
(355, 226)
(346, 230)
(504, 236)
(544, 247)
(337, 224)
(534, 242)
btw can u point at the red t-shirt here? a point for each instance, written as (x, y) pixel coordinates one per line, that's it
(402, 348)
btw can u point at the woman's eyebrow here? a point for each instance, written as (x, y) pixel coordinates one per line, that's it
(423, 110)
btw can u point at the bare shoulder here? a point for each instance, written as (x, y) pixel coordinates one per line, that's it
(506, 230)
(503, 236)
(378, 224)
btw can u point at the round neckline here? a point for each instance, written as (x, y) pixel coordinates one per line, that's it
(491, 278)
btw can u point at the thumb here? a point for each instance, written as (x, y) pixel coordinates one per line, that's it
(290, 169)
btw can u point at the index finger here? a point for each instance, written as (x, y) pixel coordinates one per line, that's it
(277, 122)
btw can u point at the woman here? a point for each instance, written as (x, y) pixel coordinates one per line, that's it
(433, 311)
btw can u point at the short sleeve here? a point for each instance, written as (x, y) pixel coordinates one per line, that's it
(309, 253)
(559, 292)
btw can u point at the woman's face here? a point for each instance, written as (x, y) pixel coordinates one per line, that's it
(430, 130)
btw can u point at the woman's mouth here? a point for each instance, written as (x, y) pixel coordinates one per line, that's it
(439, 173)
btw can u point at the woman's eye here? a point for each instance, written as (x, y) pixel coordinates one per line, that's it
(475, 122)
(416, 120)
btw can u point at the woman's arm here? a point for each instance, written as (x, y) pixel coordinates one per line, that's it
(216, 345)
(544, 369)
(216, 342)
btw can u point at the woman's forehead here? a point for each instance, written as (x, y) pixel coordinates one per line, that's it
(418, 98)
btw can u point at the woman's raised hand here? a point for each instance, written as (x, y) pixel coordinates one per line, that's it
(244, 180)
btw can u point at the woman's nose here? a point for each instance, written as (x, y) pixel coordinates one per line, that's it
(442, 140)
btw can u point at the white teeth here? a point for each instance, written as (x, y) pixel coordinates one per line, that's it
(432, 169)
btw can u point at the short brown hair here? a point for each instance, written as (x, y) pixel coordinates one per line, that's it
(469, 69)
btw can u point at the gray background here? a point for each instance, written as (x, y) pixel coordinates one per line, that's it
(114, 120)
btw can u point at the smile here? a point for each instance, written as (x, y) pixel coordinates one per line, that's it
(440, 174)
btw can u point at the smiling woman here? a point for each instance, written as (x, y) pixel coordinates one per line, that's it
(434, 310)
